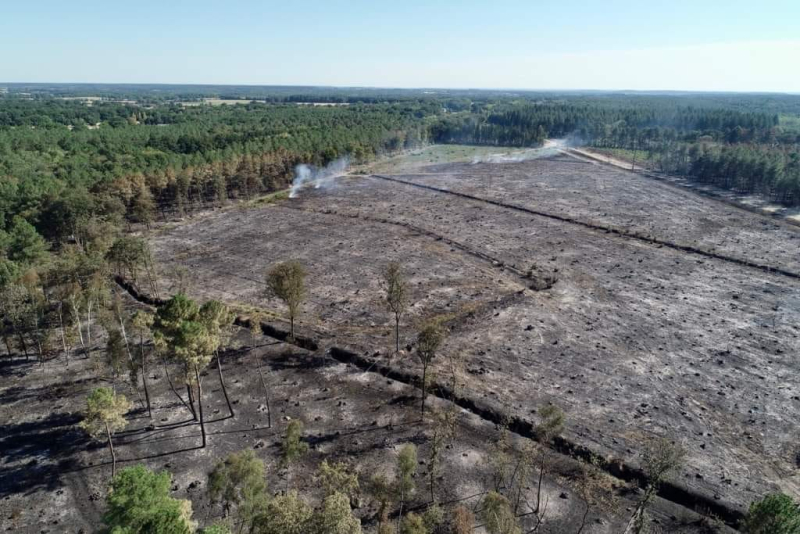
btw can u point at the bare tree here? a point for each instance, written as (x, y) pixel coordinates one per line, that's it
(428, 342)
(444, 428)
(141, 322)
(255, 330)
(660, 458)
(287, 282)
(396, 296)
(551, 425)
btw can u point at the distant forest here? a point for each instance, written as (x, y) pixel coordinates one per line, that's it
(75, 158)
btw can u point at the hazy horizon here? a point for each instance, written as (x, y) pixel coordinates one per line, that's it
(390, 87)
(690, 46)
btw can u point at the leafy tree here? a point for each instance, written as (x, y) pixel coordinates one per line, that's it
(216, 318)
(337, 478)
(194, 346)
(167, 335)
(776, 513)
(336, 517)
(285, 514)
(240, 481)
(105, 414)
(25, 246)
(497, 515)
(293, 447)
(130, 256)
(433, 518)
(428, 342)
(406, 469)
(413, 524)
(140, 503)
(397, 296)
(286, 281)
(143, 207)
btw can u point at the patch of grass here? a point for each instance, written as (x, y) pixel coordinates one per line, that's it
(434, 154)
(270, 198)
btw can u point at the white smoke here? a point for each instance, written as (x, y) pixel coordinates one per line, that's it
(551, 148)
(307, 175)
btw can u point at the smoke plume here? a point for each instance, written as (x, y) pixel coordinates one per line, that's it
(319, 178)
(551, 148)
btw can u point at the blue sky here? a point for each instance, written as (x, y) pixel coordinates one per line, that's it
(693, 45)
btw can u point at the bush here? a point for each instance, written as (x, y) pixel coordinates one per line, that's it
(139, 502)
(774, 514)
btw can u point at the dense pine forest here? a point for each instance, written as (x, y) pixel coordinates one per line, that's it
(74, 159)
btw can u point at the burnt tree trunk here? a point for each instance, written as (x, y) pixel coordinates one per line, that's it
(200, 404)
(222, 382)
(144, 376)
(172, 386)
(266, 395)
(113, 454)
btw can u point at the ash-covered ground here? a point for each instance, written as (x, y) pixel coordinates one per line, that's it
(635, 340)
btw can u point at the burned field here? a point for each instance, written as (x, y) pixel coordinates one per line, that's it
(670, 315)
(54, 479)
(659, 324)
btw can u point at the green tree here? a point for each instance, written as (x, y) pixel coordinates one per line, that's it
(286, 281)
(194, 346)
(413, 524)
(167, 326)
(336, 517)
(105, 415)
(285, 514)
(293, 447)
(217, 319)
(776, 513)
(497, 515)
(433, 518)
(428, 342)
(240, 481)
(406, 469)
(397, 296)
(140, 503)
(337, 478)
(143, 208)
(25, 246)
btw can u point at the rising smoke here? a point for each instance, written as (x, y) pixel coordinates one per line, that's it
(319, 178)
(551, 148)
